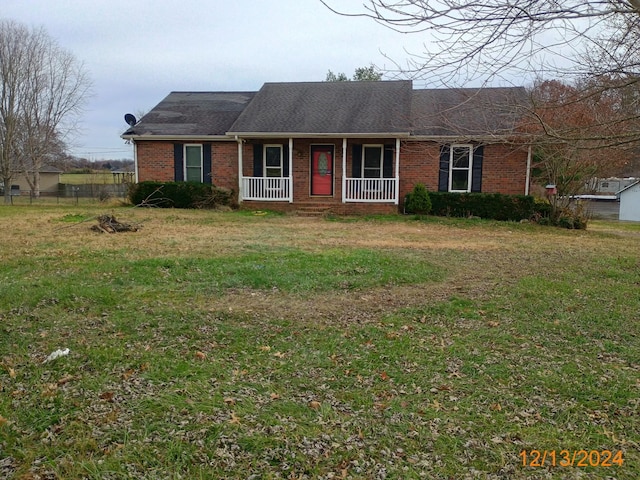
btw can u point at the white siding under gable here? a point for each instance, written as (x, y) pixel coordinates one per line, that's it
(630, 203)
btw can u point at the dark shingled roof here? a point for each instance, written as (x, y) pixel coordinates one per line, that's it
(193, 113)
(322, 108)
(467, 111)
(328, 107)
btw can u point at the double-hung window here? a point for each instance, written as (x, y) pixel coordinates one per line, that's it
(193, 163)
(372, 156)
(273, 161)
(460, 167)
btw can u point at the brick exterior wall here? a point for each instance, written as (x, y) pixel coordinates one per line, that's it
(156, 163)
(503, 169)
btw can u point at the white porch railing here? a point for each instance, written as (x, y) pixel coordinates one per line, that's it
(266, 188)
(370, 190)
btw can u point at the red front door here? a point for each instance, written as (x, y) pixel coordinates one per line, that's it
(321, 170)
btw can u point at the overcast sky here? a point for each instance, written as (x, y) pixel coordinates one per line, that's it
(136, 52)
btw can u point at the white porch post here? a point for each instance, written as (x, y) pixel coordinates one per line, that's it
(344, 170)
(135, 160)
(240, 193)
(291, 170)
(396, 200)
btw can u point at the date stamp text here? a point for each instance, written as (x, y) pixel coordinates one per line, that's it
(571, 458)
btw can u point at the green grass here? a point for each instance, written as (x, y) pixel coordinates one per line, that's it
(270, 347)
(86, 178)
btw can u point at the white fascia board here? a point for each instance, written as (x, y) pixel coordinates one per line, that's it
(466, 138)
(317, 135)
(182, 138)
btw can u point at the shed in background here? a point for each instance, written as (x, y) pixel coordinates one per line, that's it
(630, 202)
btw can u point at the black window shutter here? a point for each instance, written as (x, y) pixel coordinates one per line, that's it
(207, 175)
(285, 160)
(178, 162)
(387, 163)
(443, 172)
(356, 161)
(257, 160)
(476, 170)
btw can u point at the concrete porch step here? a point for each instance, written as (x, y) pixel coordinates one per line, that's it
(313, 209)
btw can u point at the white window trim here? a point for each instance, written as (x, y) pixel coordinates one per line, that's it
(451, 169)
(264, 159)
(184, 156)
(364, 149)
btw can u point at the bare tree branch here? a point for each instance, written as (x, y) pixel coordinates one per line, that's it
(42, 91)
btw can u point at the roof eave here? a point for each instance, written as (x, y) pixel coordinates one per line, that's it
(212, 138)
(488, 138)
(318, 135)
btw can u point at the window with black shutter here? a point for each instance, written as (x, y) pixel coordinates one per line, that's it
(460, 168)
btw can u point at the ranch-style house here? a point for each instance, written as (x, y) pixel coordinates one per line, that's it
(344, 147)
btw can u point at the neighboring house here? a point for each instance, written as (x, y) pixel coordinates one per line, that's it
(609, 186)
(49, 180)
(630, 202)
(348, 147)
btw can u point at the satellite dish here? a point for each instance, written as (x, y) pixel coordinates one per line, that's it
(130, 119)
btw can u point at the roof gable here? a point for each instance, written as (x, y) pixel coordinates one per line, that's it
(328, 107)
(628, 187)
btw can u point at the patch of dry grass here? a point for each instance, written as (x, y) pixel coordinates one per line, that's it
(515, 337)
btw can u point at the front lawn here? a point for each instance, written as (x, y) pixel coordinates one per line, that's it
(233, 345)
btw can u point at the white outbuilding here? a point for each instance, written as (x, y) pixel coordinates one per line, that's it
(630, 202)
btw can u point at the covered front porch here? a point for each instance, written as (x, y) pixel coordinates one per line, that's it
(292, 171)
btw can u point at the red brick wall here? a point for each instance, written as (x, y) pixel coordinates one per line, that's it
(503, 171)
(155, 162)
(224, 165)
(504, 168)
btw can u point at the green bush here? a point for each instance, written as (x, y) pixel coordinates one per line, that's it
(494, 206)
(418, 200)
(179, 195)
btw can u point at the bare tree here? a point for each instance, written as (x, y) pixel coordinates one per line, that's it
(469, 41)
(42, 90)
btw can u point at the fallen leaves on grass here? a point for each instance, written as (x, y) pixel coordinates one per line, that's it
(234, 420)
(50, 390)
(107, 396)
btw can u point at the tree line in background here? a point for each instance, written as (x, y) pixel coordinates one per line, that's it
(43, 89)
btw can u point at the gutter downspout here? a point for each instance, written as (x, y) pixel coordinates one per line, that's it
(529, 156)
(344, 169)
(239, 140)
